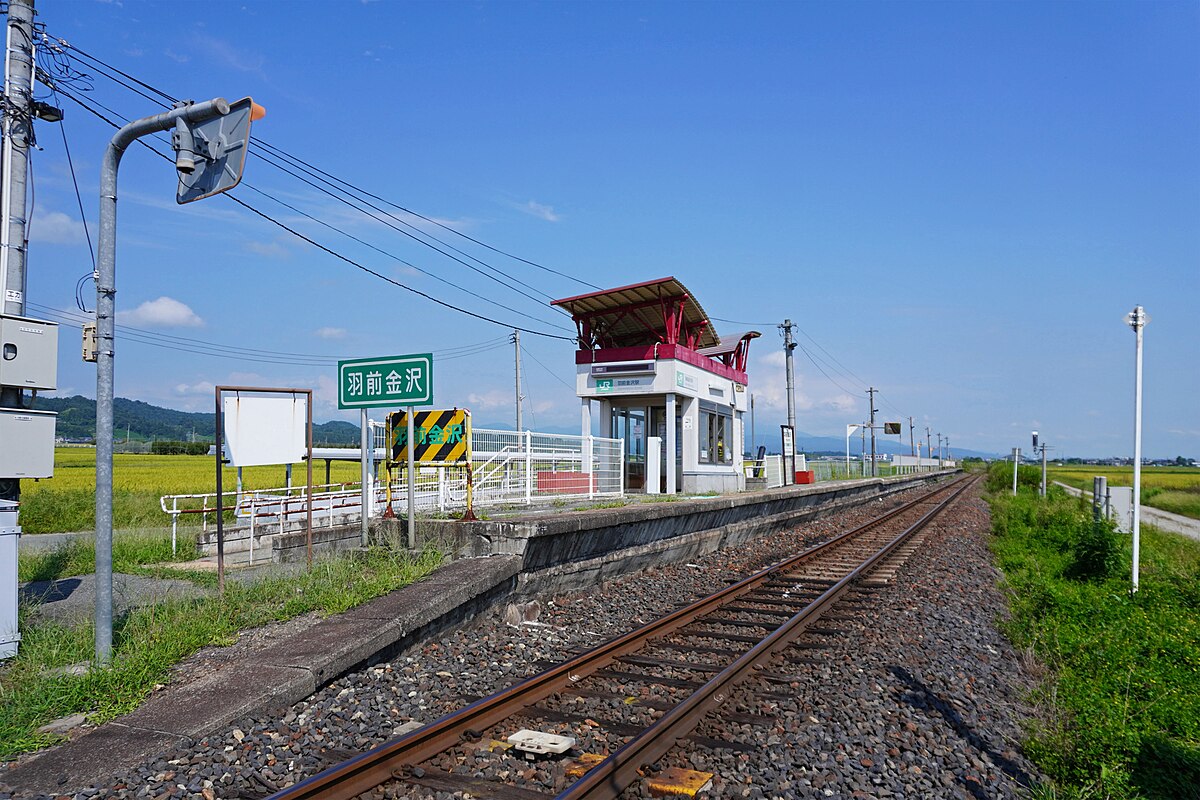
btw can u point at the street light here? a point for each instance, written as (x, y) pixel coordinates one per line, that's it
(1137, 320)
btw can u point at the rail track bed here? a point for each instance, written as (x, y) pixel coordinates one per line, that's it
(904, 689)
(632, 712)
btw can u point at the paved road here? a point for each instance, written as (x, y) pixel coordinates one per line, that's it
(1163, 520)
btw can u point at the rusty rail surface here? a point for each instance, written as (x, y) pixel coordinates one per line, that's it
(392, 760)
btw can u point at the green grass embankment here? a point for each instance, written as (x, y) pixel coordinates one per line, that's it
(1119, 710)
(149, 641)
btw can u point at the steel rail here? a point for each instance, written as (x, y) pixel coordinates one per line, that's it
(615, 773)
(378, 765)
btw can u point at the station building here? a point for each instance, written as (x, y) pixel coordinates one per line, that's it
(652, 360)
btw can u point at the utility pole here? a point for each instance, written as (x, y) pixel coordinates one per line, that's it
(912, 443)
(1043, 469)
(1042, 447)
(871, 396)
(753, 449)
(862, 448)
(516, 340)
(939, 451)
(14, 164)
(788, 347)
(928, 443)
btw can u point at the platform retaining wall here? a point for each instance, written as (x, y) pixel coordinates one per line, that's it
(572, 550)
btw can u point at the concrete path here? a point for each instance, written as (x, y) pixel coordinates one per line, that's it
(73, 600)
(40, 542)
(1163, 520)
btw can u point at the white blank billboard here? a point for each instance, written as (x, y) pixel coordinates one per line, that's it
(265, 430)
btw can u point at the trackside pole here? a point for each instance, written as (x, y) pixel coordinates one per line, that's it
(412, 491)
(364, 438)
(106, 293)
(1016, 461)
(1137, 320)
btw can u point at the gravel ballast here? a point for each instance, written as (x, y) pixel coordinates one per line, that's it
(916, 693)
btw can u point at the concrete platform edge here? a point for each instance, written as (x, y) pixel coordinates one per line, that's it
(269, 680)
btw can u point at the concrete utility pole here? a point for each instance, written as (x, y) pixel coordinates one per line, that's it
(788, 347)
(939, 451)
(1043, 470)
(871, 397)
(14, 164)
(862, 448)
(18, 130)
(516, 340)
(912, 443)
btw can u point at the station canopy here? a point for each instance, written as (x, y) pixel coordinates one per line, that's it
(660, 311)
(733, 350)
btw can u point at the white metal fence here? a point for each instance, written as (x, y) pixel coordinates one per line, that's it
(769, 467)
(508, 467)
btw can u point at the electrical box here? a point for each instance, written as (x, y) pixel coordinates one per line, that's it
(90, 350)
(28, 353)
(26, 443)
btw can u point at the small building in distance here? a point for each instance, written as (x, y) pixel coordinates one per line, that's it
(651, 358)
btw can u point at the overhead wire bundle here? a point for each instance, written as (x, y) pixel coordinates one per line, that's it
(68, 70)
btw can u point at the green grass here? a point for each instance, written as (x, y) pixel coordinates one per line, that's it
(1119, 712)
(132, 553)
(66, 502)
(149, 641)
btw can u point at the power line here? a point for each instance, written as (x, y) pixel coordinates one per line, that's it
(543, 366)
(383, 277)
(107, 71)
(273, 153)
(216, 350)
(830, 363)
(392, 256)
(328, 250)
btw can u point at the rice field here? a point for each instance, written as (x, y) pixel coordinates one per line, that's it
(1174, 489)
(66, 502)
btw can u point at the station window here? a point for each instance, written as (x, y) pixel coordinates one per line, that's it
(716, 434)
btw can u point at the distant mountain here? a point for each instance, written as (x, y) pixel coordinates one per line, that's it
(139, 421)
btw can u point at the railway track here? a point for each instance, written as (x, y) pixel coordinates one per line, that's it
(617, 709)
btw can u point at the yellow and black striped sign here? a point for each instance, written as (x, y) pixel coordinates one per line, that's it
(442, 437)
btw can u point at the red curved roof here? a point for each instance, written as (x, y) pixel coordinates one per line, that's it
(652, 312)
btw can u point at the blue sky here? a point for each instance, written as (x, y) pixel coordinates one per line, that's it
(956, 202)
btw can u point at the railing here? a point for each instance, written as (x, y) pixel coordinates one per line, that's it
(509, 467)
(769, 467)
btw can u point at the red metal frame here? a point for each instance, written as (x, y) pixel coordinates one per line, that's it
(660, 352)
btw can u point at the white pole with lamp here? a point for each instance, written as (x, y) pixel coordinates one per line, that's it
(1137, 320)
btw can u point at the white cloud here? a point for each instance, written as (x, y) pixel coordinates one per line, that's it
(225, 54)
(541, 211)
(55, 227)
(493, 399)
(201, 389)
(268, 249)
(331, 333)
(165, 312)
(842, 402)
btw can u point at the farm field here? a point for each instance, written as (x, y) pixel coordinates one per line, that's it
(66, 502)
(1174, 489)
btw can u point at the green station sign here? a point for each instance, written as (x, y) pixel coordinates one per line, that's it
(388, 381)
